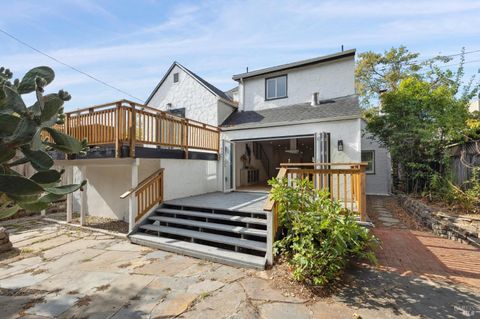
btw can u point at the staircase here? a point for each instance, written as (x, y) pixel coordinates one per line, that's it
(261, 155)
(236, 238)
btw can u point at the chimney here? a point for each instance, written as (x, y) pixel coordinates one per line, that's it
(314, 100)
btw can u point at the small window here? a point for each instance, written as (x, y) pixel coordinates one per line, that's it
(369, 158)
(276, 88)
(178, 112)
(175, 77)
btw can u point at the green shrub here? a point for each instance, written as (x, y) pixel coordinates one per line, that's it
(320, 237)
(442, 189)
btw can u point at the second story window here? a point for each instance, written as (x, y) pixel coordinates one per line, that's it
(276, 88)
(175, 77)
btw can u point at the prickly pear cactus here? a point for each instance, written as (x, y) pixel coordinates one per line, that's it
(21, 142)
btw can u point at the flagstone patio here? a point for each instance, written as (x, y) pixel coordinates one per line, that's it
(62, 272)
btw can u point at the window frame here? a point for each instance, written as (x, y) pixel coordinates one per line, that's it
(286, 87)
(372, 171)
(177, 75)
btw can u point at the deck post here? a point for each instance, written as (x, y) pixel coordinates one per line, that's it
(132, 200)
(270, 234)
(117, 129)
(362, 209)
(185, 137)
(83, 196)
(66, 130)
(69, 203)
(133, 130)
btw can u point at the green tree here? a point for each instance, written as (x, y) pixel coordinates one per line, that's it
(379, 72)
(418, 120)
(21, 131)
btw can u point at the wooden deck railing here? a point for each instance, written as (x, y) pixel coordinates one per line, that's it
(125, 122)
(148, 193)
(345, 182)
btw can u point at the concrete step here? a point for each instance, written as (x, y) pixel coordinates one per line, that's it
(233, 241)
(215, 226)
(233, 218)
(211, 253)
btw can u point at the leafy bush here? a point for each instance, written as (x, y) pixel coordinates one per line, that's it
(320, 237)
(21, 130)
(442, 189)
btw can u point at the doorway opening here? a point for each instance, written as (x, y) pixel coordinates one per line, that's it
(257, 161)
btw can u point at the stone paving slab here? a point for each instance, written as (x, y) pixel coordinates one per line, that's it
(88, 275)
(260, 289)
(53, 305)
(285, 310)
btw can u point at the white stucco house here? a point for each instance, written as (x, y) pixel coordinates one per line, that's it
(280, 114)
(188, 169)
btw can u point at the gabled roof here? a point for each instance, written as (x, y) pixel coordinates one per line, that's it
(214, 90)
(321, 59)
(230, 92)
(332, 109)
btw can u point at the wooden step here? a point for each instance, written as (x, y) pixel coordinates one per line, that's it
(233, 241)
(233, 218)
(215, 226)
(211, 253)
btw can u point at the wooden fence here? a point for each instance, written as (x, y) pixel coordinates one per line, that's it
(463, 157)
(125, 122)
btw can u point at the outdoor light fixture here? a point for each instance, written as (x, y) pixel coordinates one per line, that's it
(340, 145)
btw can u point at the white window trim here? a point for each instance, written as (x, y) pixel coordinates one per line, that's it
(275, 97)
(372, 171)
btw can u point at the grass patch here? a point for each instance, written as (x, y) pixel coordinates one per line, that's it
(84, 301)
(27, 251)
(102, 287)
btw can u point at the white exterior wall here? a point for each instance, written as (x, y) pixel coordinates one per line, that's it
(347, 130)
(107, 180)
(200, 104)
(224, 111)
(189, 177)
(331, 80)
(378, 183)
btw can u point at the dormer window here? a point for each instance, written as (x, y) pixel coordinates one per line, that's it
(276, 88)
(175, 77)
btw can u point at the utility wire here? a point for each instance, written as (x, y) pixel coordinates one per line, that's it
(450, 55)
(68, 65)
(466, 62)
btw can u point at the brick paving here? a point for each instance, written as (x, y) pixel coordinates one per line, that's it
(420, 253)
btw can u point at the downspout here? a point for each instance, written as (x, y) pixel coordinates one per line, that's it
(243, 94)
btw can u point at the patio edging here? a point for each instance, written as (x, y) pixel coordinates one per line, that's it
(446, 226)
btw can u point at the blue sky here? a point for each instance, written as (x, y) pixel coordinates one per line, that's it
(130, 44)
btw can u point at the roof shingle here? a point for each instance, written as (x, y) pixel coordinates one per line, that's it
(327, 109)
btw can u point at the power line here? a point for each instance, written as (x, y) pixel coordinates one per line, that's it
(466, 62)
(68, 65)
(452, 55)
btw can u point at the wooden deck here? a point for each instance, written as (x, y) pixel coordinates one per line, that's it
(128, 129)
(251, 202)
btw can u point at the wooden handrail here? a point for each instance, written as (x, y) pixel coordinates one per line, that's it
(126, 122)
(346, 185)
(268, 206)
(146, 180)
(323, 164)
(148, 193)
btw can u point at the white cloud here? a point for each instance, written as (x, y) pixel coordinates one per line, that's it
(217, 39)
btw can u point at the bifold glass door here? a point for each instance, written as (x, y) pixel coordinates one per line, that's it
(228, 164)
